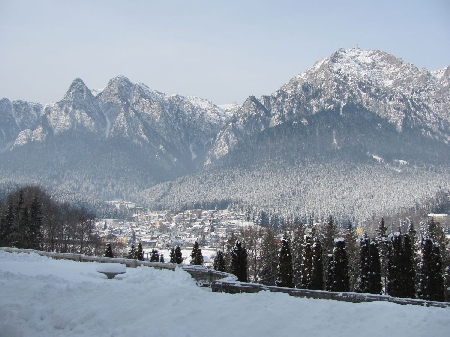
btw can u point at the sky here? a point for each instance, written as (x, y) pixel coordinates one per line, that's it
(223, 51)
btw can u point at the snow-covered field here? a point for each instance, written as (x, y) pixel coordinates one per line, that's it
(44, 297)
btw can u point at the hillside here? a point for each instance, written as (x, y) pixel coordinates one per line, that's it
(359, 134)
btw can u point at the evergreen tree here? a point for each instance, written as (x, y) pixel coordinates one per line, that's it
(35, 226)
(172, 255)
(394, 272)
(268, 258)
(108, 251)
(154, 257)
(131, 252)
(196, 255)
(285, 270)
(297, 241)
(431, 283)
(362, 285)
(329, 236)
(306, 265)
(178, 255)
(374, 284)
(219, 261)
(338, 273)
(408, 267)
(317, 266)
(139, 255)
(239, 261)
(352, 249)
(383, 249)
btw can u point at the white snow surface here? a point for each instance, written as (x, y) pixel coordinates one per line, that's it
(44, 297)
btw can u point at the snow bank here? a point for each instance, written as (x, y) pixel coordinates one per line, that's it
(45, 297)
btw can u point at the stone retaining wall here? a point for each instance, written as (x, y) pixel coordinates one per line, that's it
(227, 283)
(202, 275)
(234, 287)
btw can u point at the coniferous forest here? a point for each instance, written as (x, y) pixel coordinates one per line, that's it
(409, 262)
(413, 264)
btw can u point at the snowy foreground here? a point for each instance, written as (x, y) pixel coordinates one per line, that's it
(44, 297)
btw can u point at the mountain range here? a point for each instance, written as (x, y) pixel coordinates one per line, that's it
(355, 109)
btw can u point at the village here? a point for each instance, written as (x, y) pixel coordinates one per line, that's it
(163, 230)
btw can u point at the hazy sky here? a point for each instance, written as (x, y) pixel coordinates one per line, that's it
(223, 51)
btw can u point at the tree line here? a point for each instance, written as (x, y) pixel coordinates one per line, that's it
(31, 219)
(408, 264)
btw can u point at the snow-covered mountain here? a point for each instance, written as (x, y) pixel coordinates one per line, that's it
(356, 108)
(373, 90)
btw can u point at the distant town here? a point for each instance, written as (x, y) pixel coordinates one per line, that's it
(163, 230)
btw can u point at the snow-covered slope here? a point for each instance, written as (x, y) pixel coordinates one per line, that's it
(44, 297)
(363, 82)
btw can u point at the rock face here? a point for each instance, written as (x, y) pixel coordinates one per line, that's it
(363, 98)
(127, 129)
(355, 104)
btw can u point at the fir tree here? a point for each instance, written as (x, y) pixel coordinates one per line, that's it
(431, 283)
(172, 255)
(35, 226)
(394, 277)
(139, 255)
(297, 241)
(178, 255)
(108, 251)
(239, 261)
(352, 253)
(285, 270)
(338, 273)
(196, 255)
(383, 249)
(219, 261)
(131, 252)
(317, 266)
(306, 265)
(408, 267)
(362, 285)
(268, 258)
(154, 257)
(374, 281)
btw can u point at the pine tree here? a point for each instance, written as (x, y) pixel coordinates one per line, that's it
(131, 252)
(154, 257)
(297, 241)
(394, 271)
(306, 265)
(352, 253)
(178, 255)
(139, 255)
(172, 255)
(374, 284)
(239, 261)
(268, 258)
(408, 267)
(383, 249)
(285, 270)
(317, 266)
(196, 255)
(362, 285)
(108, 251)
(431, 282)
(219, 261)
(35, 226)
(338, 273)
